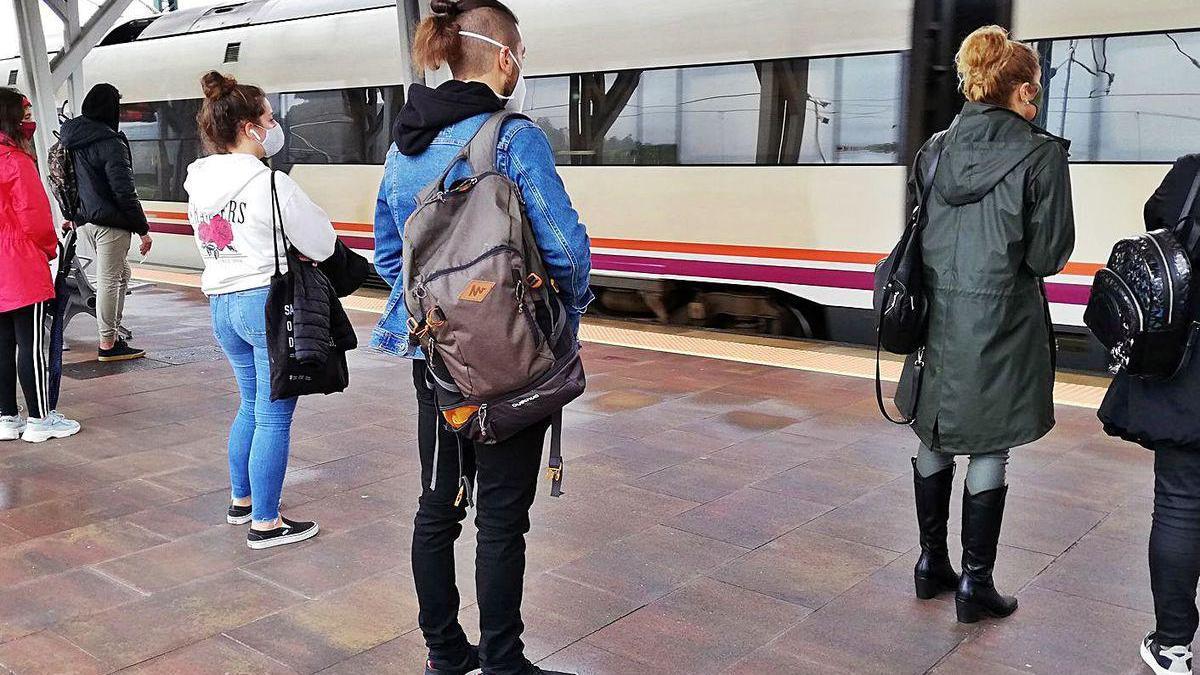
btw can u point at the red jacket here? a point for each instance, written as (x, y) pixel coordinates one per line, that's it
(28, 241)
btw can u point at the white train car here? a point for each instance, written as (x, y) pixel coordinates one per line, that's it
(743, 157)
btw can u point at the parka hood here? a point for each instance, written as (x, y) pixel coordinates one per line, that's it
(984, 145)
(80, 132)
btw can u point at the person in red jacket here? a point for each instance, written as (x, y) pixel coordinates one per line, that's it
(28, 242)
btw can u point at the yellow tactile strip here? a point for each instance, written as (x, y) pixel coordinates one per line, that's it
(1075, 390)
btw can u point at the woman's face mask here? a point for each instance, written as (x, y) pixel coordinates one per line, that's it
(271, 139)
(515, 100)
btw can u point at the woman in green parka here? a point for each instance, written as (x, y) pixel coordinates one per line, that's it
(999, 221)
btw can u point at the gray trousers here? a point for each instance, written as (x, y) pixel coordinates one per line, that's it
(112, 277)
(985, 472)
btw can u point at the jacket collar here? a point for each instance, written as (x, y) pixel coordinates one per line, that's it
(972, 108)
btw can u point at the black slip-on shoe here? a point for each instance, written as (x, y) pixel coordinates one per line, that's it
(469, 664)
(121, 351)
(291, 533)
(238, 515)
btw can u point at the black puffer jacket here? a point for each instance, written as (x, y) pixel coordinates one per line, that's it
(1161, 414)
(320, 323)
(104, 165)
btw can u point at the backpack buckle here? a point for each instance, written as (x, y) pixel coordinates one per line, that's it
(533, 281)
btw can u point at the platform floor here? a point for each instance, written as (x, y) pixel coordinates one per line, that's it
(721, 517)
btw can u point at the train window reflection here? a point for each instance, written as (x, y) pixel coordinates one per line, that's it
(347, 126)
(163, 141)
(1129, 98)
(793, 111)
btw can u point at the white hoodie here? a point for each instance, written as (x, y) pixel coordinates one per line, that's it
(229, 208)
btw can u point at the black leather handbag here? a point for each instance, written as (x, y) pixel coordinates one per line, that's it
(901, 304)
(1141, 304)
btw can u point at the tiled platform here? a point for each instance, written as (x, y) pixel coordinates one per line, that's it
(720, 518)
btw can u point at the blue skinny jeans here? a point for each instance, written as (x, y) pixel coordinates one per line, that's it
(261, 432)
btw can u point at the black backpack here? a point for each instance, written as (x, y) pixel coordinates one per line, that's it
(901, 305)
(1141, 302)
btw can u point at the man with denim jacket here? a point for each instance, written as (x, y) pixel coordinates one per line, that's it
(480, 42)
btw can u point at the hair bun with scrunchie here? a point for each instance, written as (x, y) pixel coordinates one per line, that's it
(217, 86)
(445, 7)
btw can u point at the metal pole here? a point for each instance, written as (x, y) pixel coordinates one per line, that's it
(36, 62)
(409, 14)
(75, 80)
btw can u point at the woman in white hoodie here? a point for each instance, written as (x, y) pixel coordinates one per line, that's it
(229, 208)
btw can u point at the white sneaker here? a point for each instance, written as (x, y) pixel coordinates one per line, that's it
(1164, 660)
(11, 427)
(53, 425)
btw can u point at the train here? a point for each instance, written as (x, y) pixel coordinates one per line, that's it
(738, 165)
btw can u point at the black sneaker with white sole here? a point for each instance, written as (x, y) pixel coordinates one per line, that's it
(469, 664)
(121, 351)
(238, 515)
(1166, 659)
(290, 533)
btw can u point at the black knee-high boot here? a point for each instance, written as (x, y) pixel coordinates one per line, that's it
(933, 573)
(977, 596)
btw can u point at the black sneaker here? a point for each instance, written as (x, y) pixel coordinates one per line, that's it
(469, 664)
(121, 351)
(238, 515)
(1164, 660)
(534, 670)
(290, 533)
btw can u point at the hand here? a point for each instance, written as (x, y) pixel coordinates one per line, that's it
(147, 243)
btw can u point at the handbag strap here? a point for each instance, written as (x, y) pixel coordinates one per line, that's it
(914, 228)
(277, 223)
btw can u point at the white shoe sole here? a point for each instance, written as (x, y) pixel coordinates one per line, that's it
(288, 539)
(1152, 662)
(11, 435)
(31, 436)
(239, 520)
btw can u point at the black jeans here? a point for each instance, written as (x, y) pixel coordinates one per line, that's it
(1175, 544)
(23, 355)
(506, 475)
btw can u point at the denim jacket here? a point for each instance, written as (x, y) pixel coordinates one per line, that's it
(525, 156)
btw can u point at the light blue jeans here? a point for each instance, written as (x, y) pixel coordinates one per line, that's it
(261, 432)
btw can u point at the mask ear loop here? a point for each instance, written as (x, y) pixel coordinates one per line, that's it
(502, 46)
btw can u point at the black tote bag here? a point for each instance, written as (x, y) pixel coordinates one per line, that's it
(289, 377)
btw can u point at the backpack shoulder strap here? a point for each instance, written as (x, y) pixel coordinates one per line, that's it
(1187, 217)
(484, 146)
(480, 151)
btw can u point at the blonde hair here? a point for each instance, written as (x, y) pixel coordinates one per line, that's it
(991, 65)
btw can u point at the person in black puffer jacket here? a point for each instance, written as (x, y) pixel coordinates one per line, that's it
(110, 211)
(1164, 416)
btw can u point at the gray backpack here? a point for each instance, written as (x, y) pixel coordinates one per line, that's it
(484, 310)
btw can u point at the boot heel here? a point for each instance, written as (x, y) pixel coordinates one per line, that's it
(927, 588)
(968, 612)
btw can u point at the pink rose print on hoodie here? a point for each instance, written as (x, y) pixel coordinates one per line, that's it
(217, 236)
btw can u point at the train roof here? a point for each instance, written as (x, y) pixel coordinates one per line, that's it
(231, 14)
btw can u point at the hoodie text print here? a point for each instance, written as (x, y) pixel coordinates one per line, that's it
(229, 209)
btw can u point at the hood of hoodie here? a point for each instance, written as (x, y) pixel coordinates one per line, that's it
(214, 181)
(985, 144)
(103, 104)
(79, 132)
(428, 111)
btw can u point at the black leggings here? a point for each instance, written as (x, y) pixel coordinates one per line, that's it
(1175, 545)
(506, 474)
(23, 355)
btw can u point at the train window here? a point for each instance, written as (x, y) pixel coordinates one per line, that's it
(1124, 99)
(793, 111)
(347, 126)
(163, 141)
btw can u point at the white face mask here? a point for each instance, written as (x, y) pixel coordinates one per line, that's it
(272, 143)
(515, 101)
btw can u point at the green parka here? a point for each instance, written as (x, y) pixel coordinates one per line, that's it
(999, 220)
